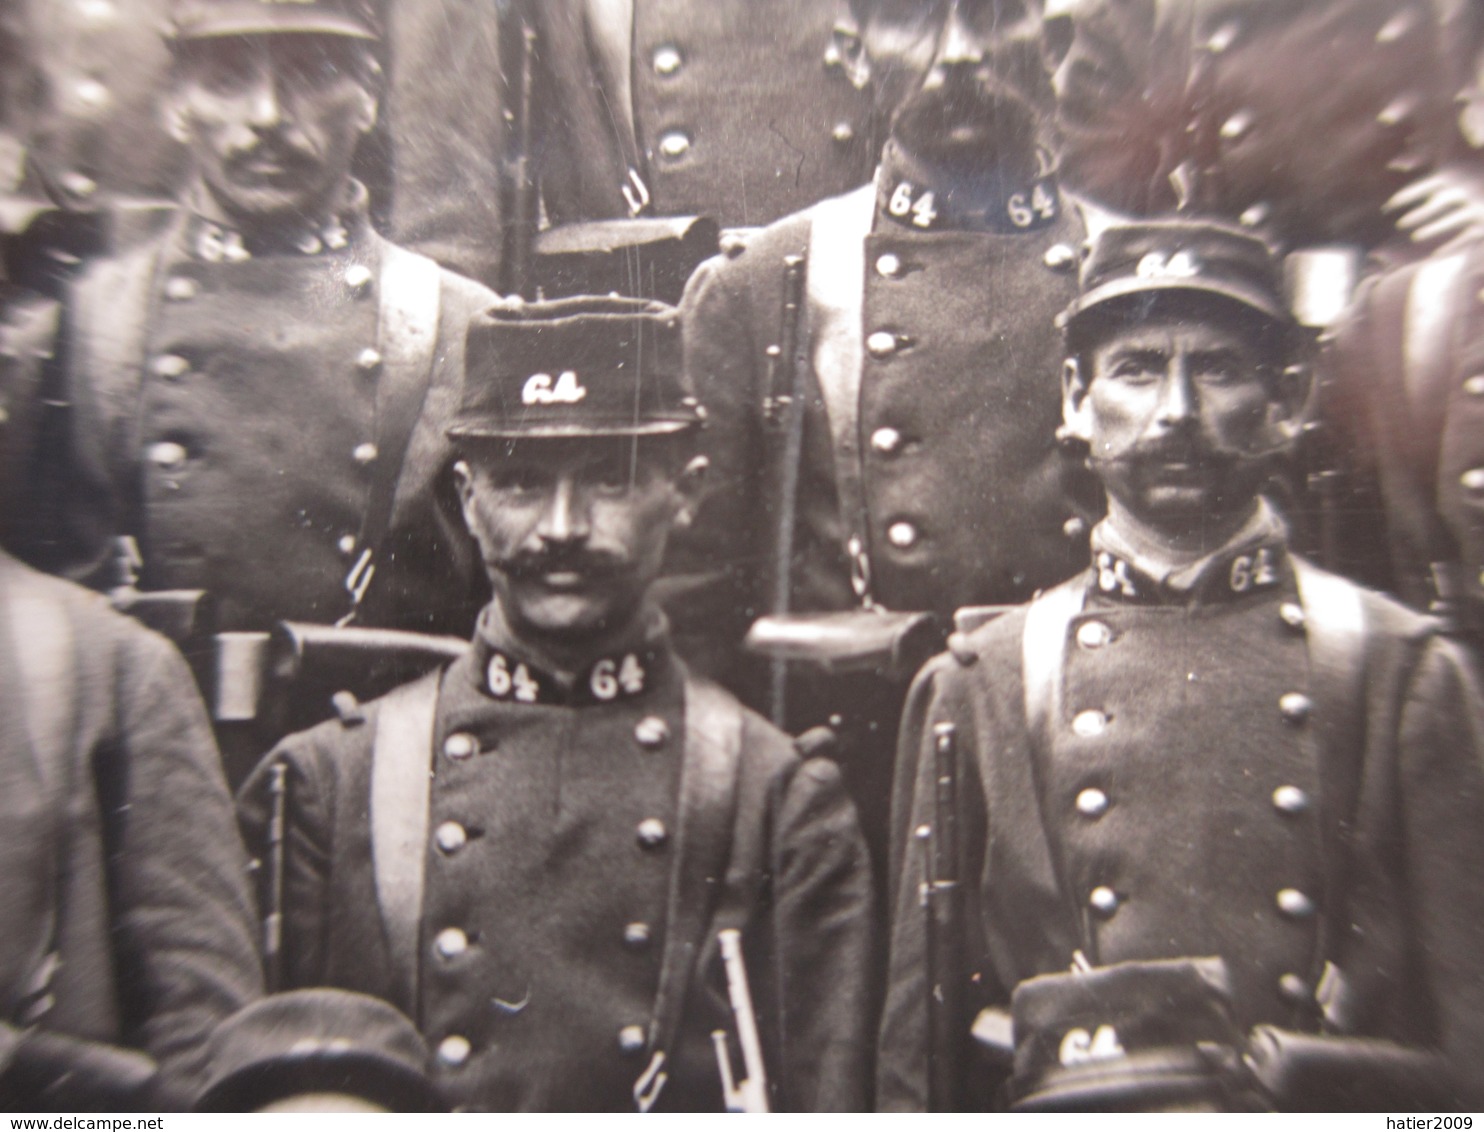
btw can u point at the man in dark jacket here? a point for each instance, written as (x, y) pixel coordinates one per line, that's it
(1231, 794)
(545, 852)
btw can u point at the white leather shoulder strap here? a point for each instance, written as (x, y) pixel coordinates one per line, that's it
(401, 783)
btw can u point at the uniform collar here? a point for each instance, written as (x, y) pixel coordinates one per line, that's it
(1252, 560)
(215, 241)
(920, 197)
(511, 670)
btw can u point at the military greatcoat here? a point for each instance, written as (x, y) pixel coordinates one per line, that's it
(127, 913)
(930, 364)
(1209, 781)
(735, 110)
(572, 880)
(246, 413)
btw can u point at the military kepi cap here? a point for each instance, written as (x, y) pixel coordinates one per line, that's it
(1191, 257)
(583, 366)
(318, 1041)
(210, 19)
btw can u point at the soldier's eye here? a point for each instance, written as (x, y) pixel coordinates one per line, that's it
(519, 479)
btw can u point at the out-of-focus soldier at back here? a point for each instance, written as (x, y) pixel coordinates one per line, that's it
(881, 373)
(256, 394)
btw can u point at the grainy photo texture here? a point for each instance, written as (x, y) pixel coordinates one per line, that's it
(741, 555)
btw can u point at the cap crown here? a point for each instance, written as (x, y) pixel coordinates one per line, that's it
(575, 367)
(1200, 257)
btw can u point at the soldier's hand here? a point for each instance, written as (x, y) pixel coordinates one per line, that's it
(1445, 206)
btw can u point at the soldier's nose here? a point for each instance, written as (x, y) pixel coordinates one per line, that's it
(1176, 399)
(564, 519)
(961, 44)
(266, 106)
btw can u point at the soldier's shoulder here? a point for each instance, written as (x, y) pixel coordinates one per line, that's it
(1385, 619)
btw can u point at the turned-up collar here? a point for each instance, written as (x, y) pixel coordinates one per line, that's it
(1126, 568)
(623, 667)
(216, 241)
(921, 197)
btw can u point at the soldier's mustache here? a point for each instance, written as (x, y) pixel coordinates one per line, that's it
(590, 563)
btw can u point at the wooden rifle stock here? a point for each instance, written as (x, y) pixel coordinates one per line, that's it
(520, 230)
(278, 803)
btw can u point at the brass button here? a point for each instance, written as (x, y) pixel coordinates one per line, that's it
(1474, 386)
(365, 453)
(886, 440)
(1236, 127)
(652, 833)
(674, 144)
(888, 264)
(451, 837)
(1295, 706)
(843, 133)
(1092, 803)
(1075, 527)
(346, 544)
(460, 745)
(358, 278)
(309, 244)
(1295, 904)
(1059, 257)
(636, 936)
(901, 535)
(169, 366)
(92, 93)
(181, 288)
(1103, 900)
(167, 454)
(454, 1050)
(1093, 634)
(1090, 724)
(666, 60)
(1290, 800)
(1473, 479)
(652, 732)
(1292, 614)
(368, 360)
(881, 344)
(1295, 989)
(631, 1039)
(451, 942)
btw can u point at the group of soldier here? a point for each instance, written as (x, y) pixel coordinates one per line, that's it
(917, 554)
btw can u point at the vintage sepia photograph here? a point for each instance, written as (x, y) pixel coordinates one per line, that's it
(742, 556)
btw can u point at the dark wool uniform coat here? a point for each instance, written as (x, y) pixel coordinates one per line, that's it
(1202, 790)
(122, 878)
(1404, 393)
(560, 863)
(930, 373)
(238, 412)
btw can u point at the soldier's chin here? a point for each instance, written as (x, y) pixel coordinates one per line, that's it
(559, 615)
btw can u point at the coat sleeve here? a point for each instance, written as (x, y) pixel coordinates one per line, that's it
(444, 106)
(1441, 770)
(181, 910)
(714, 571)
(824, 920)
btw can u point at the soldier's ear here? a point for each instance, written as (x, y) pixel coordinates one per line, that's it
(1076, 413)
(177, 118)
(689, 485)
(1291, 404)
(463, 481)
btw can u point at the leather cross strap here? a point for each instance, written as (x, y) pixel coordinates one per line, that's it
(401, 784)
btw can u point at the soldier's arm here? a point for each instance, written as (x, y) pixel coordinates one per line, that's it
(181, 911)
(712, 582)
(824, 912)
(1442, 798)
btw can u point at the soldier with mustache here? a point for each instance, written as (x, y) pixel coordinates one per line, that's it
(257, 396)
(536, 851)
(892, 445)
(1221, 813)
